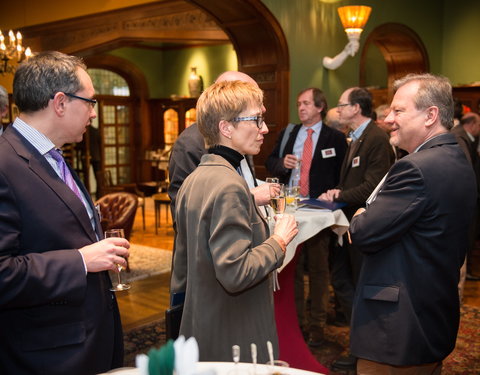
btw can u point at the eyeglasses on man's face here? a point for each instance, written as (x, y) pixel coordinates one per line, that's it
(91, 102)
(340, 105)
(258, 120)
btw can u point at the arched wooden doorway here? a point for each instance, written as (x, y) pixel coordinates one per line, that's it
(257, 37)
(403, 52)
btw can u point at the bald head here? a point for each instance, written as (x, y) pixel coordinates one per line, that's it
(235, 76)
(471, 123)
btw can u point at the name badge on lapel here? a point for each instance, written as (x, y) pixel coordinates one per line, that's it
(356, 162)
(328, 153)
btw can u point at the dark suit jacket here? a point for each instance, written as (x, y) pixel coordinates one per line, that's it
(374, 156)
(55, 319)
(324, 172)
(414, 238)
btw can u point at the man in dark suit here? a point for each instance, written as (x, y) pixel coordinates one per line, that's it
(413, 235)
(328, 147)
(467, 133)
(57, 312)
(369, 156)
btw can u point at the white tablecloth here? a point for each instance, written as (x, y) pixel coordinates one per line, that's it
(229, 368)
(310, 222)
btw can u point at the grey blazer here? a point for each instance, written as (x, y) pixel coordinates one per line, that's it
(224, 262)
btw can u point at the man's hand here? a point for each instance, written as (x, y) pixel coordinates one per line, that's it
(290, 161)
(106, 254)
(330, 195)
(261, 194)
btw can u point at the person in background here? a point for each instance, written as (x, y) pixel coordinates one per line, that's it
(3, 106)
(382, 112)
(332, 120)
(321, 150)
(413, 235)
(58, 314)
(467, 133)
(368, 159)
(225, 258)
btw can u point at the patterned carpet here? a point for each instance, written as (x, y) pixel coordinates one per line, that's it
(464, 360)
(145, 261)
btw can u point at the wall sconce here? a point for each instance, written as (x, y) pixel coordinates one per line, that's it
(353, 19)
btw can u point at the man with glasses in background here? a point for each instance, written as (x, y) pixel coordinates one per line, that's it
(368, 159)
(59, 315)
(321, 150)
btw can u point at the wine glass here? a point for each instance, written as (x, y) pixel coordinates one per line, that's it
(277, 198)
(120, 286)
(271, 180)
(291, 197)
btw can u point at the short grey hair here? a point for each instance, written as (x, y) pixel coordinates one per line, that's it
(432, 91)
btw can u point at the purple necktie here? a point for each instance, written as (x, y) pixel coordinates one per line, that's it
(65, 172)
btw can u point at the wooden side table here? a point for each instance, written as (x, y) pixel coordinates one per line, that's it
(160, 199)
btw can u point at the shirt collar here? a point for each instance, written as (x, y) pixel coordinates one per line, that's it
(357, 133)
(38, 140)
(316, 127)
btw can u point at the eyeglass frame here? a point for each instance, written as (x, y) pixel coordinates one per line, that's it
(343, 105)
(91, 102)
(258, 119)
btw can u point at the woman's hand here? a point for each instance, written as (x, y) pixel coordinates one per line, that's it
(285, 227)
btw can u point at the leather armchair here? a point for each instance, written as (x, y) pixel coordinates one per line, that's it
(118, 211)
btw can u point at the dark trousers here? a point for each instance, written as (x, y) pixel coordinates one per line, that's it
(346, 262)
(314, 260)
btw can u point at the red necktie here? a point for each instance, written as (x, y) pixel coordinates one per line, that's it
(306, 163)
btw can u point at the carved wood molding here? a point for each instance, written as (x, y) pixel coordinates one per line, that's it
(170, 20)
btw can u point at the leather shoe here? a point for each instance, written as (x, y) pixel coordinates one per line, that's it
(472, 277)
(345, 363)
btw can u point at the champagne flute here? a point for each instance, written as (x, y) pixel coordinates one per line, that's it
(120, 286)
(277, 198)
(270, 181)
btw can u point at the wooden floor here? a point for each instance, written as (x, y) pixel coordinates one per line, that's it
(148, 298)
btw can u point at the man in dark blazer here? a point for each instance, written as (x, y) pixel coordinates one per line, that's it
(467, 133)
(413, 235)
(57, 312)
(329, 147)
(369, 157)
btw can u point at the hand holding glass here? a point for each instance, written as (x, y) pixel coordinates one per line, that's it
(120, 286)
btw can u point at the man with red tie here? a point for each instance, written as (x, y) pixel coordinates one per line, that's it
(321, 151)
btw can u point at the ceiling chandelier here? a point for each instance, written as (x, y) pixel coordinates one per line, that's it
(11, 51)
